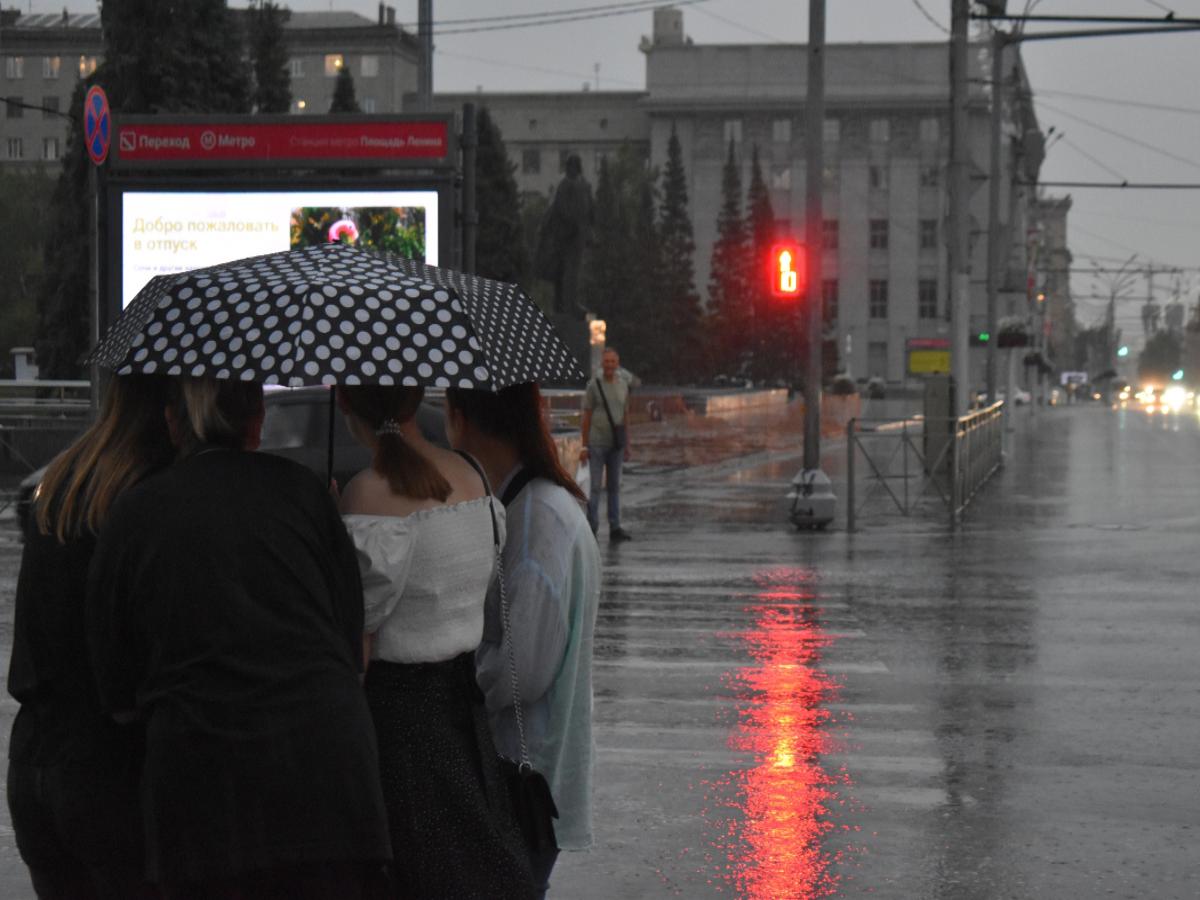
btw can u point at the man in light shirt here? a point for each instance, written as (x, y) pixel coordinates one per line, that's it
(606, 439)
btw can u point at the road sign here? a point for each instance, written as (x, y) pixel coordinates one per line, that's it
(97, 124)
(928, 356)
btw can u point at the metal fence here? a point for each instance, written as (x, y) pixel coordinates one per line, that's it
(912, 463)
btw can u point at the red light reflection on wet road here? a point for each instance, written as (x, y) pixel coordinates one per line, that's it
(775, 848)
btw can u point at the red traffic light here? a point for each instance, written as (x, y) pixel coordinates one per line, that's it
(787, 269)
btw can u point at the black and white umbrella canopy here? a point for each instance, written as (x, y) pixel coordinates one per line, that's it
(333, 315)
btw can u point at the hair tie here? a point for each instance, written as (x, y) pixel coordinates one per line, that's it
(388, 426)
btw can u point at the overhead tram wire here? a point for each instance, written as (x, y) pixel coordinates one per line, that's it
(559, 18)
(1125, 137)
(563, 73)
(576, 10)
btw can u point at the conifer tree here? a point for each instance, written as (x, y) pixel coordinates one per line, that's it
(500, 250)
(728, 313)
(344, 100)
(681, 313)
(774, 322)
(269, 56)
(158, 58)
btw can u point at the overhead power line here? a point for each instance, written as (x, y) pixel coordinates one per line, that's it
(558, 17)
(1125, 137)
(1113, 101)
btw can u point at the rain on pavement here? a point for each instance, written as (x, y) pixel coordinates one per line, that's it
(1011, 711)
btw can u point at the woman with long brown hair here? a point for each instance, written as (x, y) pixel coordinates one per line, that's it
(73, 771)
(426, 532)
(552, 580)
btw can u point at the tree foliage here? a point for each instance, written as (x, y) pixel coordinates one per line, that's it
(1161, 357)
(500, 248)
(269, 57)
(776, 325)
(729, 318)
(160, 56)
(622, 281)
(681, 312)
(24, 228)
(344, 100)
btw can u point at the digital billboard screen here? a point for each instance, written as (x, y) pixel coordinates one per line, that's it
(162, 232)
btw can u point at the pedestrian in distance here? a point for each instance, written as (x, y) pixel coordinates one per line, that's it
(606, 439)
(552, 579)
(73, 771)
(422, 520)
(225, 611)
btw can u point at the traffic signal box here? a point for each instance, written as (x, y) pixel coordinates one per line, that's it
(786, 270)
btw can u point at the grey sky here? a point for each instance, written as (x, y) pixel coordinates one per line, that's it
(1141, 144)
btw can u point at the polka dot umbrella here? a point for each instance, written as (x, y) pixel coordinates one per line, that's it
(335, 314)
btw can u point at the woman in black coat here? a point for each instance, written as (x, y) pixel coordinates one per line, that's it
(72, 774)
(225, 609)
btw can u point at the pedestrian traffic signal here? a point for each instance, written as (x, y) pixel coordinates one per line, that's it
(980, 338)
(787, 269)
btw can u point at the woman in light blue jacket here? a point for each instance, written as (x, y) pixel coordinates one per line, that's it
(552, 576)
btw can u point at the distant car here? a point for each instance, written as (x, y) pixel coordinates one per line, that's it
(876, 388)
(296, 426)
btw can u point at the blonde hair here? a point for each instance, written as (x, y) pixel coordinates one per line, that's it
(212, 411)
(408, 473)
(128, 440)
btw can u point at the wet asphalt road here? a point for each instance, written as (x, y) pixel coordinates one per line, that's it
(1009, 712)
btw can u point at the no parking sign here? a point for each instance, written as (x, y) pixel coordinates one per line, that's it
(97, 124)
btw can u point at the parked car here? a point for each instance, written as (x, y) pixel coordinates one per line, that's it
(296, 426)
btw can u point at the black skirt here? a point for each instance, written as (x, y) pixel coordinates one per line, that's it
(452, 828)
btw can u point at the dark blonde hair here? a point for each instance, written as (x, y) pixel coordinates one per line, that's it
(408, 473)
(128, 440)
(214, 411)
(515, 416)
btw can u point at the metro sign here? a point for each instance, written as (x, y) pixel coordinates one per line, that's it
(786, 269)
(229, 141)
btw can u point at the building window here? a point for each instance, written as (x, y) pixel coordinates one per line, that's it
(533, 124)
(829, 299)
(930, 176)
(877, 178)
(334, 63)
(832, 130)
(927, 305)
(50, 148)
(531, 160)
(878, 306)
(604, 124)
(879, 131)
(733, 131)
(781, 131)
(781, 178)
(601, 160)
(296, 67)
(51, 66)
(49, 107)
(368, 66)
(928, 131)
(563, 153)
(14, 67)
(16, 148)
(877, 359)
(367, 104)
(829, 234)
(87, 65)
(878, 234)
(12, 109)
(927, 234)
(829, 176)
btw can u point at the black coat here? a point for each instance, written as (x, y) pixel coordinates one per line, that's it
(225, 606)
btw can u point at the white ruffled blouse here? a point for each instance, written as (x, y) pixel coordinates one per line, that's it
(425, 578)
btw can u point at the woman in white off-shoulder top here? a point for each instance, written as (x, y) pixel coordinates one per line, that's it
(422, 523)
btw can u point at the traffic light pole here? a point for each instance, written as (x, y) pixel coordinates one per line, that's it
(811, 499)
(959, 246)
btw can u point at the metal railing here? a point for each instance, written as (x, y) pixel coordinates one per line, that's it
(912, 461)
(38, 418)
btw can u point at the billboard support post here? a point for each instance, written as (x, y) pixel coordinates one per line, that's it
(470, 146)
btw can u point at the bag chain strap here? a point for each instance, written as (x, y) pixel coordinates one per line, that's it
(524, 762)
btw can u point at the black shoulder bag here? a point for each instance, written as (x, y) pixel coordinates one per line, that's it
(619, 432)
(532, 803)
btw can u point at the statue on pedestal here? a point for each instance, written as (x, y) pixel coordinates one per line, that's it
(562, 235)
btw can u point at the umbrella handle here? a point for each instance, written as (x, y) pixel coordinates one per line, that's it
(329, 455)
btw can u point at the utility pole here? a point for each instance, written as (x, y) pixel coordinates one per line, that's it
(959, 246)
(425, 55)
(995, 259)
(811, 499)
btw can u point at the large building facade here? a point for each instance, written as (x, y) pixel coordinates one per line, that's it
(887, 150)
(44, 56)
